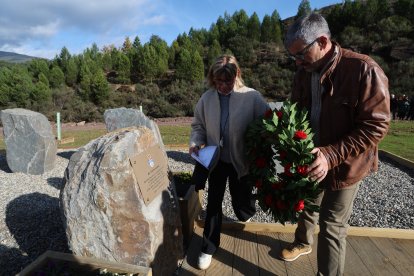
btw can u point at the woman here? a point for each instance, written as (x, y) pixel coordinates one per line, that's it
(221, 117)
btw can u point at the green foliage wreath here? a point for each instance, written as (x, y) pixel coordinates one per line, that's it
(282, 136)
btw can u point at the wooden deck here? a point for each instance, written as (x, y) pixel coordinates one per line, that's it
(249, 249)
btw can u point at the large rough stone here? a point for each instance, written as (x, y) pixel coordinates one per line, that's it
(118, 118)
(30, 142)
(104, 213)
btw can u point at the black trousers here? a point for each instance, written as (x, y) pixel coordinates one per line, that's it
(242, 201)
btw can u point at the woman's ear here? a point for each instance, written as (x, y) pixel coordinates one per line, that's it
(238, 73)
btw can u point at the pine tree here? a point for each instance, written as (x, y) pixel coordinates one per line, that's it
(56, 77)
(184, 65)
(85, 77)
(122, 66)
(161, 49)
(126, 46)
(304, 8)
(63, 59)
(99, 88)
(253, 27)
(148, 62)
(276, 29)
(16, 86)
(71, 72)
(38, 66)
(214, 52)
(266, 29)
(197, 70)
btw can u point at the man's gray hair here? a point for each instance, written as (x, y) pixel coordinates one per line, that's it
(307, 28)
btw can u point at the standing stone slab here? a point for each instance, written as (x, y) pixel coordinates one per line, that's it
(104, 213)
(275, 105)
(118, 118)
(30, 142)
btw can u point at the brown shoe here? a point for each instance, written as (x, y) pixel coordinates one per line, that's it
(294, 251)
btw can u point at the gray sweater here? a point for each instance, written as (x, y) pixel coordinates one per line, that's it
(246, 104)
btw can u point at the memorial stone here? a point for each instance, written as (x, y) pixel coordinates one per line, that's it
(118, 118)
(30, 142)
(104, 212)
(275, 105)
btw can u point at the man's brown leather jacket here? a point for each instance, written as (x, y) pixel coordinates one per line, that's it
(355, 115)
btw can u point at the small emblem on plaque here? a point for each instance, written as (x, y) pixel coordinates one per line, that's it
(150, 161)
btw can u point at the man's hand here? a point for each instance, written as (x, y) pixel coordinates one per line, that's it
(318, 170)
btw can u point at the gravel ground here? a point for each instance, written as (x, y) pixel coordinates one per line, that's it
(30, 217)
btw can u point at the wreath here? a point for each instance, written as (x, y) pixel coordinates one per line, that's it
(282, 137)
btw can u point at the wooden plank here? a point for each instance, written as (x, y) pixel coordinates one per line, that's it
(381, 232)
(365, 256)
(189, 208)
(354, 266)
(400, 257)
(371, 255)
(268, 248)
(222, 263)
(290, 228)
(301, 266)
(400, 160)
(89, 263)
(189, 266)
(245, 254)
(313, 256)
(36, 264)
(66, 140)
(407, 246)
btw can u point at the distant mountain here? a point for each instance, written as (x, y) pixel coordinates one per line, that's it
(14, 58)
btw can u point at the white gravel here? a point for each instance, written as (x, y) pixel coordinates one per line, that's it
(30, 217)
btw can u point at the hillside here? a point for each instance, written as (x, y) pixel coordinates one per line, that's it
(167, 80)
(14, 58)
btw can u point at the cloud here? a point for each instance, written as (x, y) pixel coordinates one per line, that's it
(25, 21)
(47, 30)
(155, 20)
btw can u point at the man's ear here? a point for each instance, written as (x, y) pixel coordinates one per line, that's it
(323, 41)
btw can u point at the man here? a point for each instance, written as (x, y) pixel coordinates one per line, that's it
(394, 106)
(348, 99)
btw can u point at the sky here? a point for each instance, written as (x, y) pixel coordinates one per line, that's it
(42, 28)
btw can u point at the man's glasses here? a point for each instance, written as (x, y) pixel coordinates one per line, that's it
(301, 54)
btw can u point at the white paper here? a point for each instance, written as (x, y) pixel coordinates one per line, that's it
(205, 155)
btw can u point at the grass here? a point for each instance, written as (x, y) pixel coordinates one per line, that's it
(399, 140)
(82, 137)
(175, 135)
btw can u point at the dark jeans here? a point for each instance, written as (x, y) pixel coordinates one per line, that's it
(241, 197)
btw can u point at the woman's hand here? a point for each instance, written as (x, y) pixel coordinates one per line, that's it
(194, 149)
(318, 170)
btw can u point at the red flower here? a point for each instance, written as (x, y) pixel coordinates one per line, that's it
(302, 170)
(279, 114)
(268, 114)
(268, 200)
(300, 205)
(282, 154)
(301, 135)
(277, 186)
(281, 205)
(258, 183)
(287, 169)
(260, 162)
